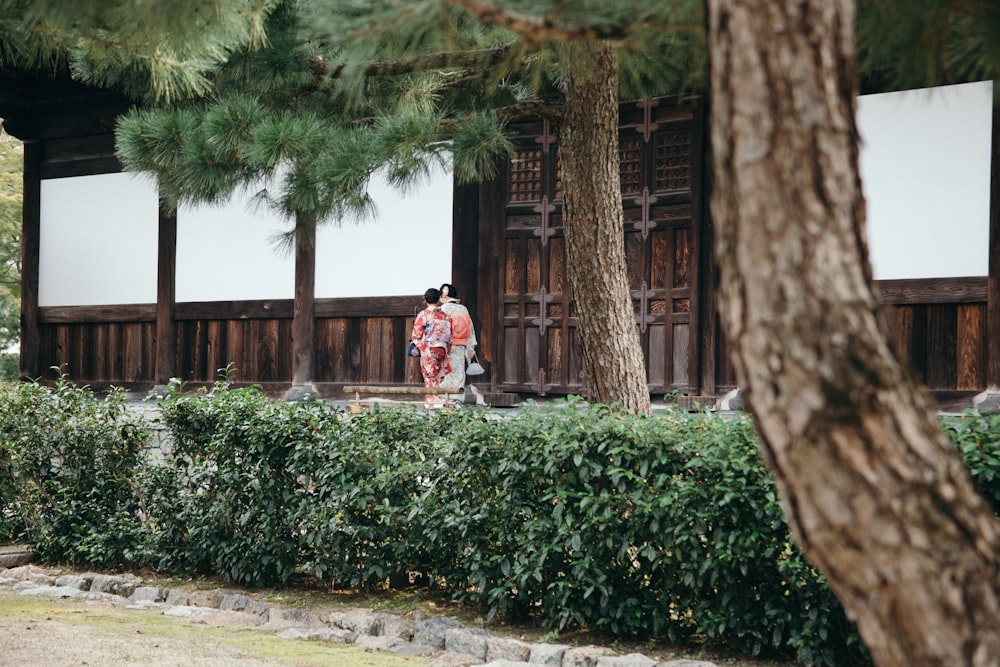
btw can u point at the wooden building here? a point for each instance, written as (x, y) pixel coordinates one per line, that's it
(508, 257)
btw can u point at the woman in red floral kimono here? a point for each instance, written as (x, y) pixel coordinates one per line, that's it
(432, 336)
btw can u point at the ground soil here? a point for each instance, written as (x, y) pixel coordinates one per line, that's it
(45, 632)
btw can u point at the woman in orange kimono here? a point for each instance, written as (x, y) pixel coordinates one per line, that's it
(463, 336)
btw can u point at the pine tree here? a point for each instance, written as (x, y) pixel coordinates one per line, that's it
(162, 50)
(342, 88)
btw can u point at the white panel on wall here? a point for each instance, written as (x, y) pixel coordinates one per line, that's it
(925, 167)
(225, 252)
(98, 241)
(405, 249)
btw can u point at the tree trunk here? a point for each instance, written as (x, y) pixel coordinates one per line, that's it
(875, 493)
(303, 322)
(593, 225)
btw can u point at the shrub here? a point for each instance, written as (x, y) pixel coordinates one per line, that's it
(977, 438)
(228, 502)
(67, 466)
(661, 526)
(643, 526)
(363, 484)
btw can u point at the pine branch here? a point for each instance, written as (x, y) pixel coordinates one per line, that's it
(536, 29)
(479, 58)
(548, 110)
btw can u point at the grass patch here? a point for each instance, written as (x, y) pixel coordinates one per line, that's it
(108, 635)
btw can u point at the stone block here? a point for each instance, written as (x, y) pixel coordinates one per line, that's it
(355, 620)
(74, 580)
(503, 648)
(32, 573)
(433, 630)
(147, 594)
(192, 612)
(177, 596)
(391, 625)
(334, 635)
(470, 641)
(279, 617)
(411, 650)
(583, 656)
(116, 584)
(210, 598)
(550, 655)
(15, 556)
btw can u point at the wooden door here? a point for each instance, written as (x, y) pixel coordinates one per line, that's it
(659, 167)
(539, 344)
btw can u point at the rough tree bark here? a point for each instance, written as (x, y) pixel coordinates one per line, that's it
(875, 493)
(303, 322)
(593, 225)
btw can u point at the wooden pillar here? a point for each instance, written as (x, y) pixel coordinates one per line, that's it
(303, 311)
(31, 217)
(706, 303)
(166, 296)
(993, 291)
(490, 273)
(465, 247)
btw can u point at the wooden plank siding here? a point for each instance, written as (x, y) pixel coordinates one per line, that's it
(940, 329)
(357, 340)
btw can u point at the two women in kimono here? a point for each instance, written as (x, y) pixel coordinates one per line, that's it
(446, 338)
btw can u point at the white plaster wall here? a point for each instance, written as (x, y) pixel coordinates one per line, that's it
(925, 167)
(226, 252)
(404, 251)
(97, 241)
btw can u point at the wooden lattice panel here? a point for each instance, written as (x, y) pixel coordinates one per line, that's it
(526, 175)
(672, 153)
(630, 155)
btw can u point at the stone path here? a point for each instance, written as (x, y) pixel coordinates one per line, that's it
(442, 641)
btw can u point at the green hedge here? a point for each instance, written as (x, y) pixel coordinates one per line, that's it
(665, 526)
(69, 466)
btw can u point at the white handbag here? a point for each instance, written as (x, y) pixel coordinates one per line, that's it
(475, 368)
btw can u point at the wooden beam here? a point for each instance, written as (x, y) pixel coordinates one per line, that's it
(934, 290)
(993, 298)
(31, 216)
(399, 389)
(264, 309)
(384, 306)
(136, 312)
